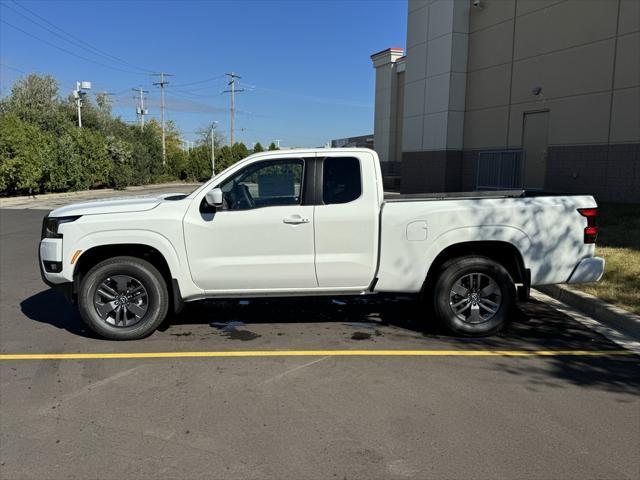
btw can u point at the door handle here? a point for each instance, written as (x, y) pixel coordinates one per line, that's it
(295, 220)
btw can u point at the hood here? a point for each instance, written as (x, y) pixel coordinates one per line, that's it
(116, 205)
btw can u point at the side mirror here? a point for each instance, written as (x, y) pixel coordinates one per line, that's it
(214, 197)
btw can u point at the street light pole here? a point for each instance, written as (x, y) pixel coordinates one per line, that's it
(78, 93)
(79, 105)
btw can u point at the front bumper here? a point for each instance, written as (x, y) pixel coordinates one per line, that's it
(50, 257)
(588, 270)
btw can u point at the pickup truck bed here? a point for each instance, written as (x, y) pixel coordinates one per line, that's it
(414, 197)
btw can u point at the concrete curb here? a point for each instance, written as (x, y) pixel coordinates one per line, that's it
(603, 312)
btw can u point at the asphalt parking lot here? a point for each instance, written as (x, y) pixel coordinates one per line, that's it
(459, 412)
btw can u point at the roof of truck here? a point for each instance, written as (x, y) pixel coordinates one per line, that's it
(307, 151)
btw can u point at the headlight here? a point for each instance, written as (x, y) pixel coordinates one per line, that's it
(50, 225)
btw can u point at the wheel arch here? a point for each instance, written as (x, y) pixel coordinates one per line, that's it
(96, 254)
(504, 253)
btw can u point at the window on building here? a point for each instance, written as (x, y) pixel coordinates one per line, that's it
(341, 180)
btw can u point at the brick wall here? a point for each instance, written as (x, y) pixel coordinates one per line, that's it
(432, 171)
(609, 172)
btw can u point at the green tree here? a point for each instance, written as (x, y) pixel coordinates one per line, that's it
(120, 153)
(63, 167)
(239, 151)
(147, 154)
(204, 136)
(203, 143)
(103, 109)
(199, 163)
(92, 157)
(224, 158)
(34, 99)
(104, 103)
(23, 150)
(272, 146)
(177, 158)
(43, 150)
(258, 148)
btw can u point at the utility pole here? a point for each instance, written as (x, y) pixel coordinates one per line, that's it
(140, 110)
(213, 149)
(232, 84)
(162, 83)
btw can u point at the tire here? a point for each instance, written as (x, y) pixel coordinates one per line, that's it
(141, 303)
(481, 309)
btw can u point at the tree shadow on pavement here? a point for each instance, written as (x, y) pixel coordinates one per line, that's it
(534, 326)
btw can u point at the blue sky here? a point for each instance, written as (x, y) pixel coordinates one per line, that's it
(305, 65)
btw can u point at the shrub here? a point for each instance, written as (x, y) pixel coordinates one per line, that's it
(121, 174)
(22, 152)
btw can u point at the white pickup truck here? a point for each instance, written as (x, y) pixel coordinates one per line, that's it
(314, 222)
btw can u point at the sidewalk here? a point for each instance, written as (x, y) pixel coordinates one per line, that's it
(49, 201)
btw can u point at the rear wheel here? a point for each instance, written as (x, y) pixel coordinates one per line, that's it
(123, 298)
(473, 296)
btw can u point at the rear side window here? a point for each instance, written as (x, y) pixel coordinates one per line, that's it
(341, 182)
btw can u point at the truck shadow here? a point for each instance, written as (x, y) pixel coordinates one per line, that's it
(49, 306)
(534, 326)
(402, 312)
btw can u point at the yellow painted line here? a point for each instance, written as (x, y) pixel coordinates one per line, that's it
(323, 353)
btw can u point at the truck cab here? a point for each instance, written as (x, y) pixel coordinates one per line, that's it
(288, 221)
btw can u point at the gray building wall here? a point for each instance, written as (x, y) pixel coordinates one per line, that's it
(434, 99)
(474, 74)
(584, 56)
(388, 64)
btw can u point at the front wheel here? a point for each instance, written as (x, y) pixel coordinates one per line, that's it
(473, 296)
(123, 298)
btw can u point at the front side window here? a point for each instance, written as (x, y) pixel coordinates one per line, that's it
(341, 181)
(269, 183)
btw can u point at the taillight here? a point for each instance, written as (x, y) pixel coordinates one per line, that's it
(591, 230)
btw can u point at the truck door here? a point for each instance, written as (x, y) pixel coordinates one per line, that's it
(262, 238)
(346, 221)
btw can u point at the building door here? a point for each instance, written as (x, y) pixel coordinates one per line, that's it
(534, 143)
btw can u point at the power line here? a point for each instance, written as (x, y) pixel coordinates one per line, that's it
(75, 55)
(311, 98)
(120, 92)
(75, 40)
(13, 68)
(185, 104)
(200, 81)
(183, 92)
(199, 89)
